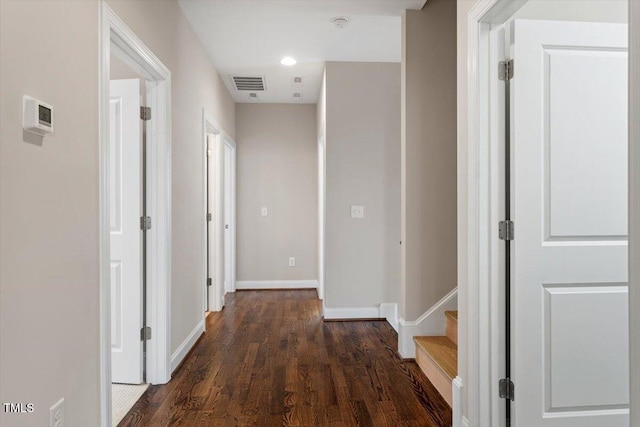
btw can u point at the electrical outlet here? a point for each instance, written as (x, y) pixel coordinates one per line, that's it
(265, 211)
(357, 211)
(56, 414)
(292, 262)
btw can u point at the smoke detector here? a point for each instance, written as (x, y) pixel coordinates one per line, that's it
(340, 22)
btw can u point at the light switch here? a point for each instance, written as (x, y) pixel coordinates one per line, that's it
(265, 211)
(357, 211)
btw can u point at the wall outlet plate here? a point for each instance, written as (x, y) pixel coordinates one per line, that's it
(56, 414)
(357, 211)
(292, 262)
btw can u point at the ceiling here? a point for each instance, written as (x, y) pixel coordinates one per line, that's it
(250, 37)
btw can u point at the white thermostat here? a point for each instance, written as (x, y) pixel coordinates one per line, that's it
(37, 117)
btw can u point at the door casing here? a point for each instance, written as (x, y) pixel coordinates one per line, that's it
(117, 38)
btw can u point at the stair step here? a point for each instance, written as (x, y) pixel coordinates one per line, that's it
(453, 315)
(452, 325)
(438, 359)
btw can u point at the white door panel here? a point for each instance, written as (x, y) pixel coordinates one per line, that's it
(125, 238)
(569, 145)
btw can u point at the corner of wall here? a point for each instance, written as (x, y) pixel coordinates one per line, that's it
(432, 322)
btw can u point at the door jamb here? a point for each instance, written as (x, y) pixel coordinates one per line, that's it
(478, 289)
(229, 142)
(209, 127)
(116, 36)
(634, 212)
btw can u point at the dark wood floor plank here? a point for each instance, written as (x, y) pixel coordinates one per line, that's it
(268, 359)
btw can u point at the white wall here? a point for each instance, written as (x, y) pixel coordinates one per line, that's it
(362, 168)
(49, 263)
(277, 168)
(163, 27)
(615, 11)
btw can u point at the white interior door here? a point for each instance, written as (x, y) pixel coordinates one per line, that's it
(569, 142)
(126, 236)
(214, 200)
(228, 218)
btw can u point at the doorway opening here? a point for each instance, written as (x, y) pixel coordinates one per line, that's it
(135, 258)
(548, 156)
(219, 212)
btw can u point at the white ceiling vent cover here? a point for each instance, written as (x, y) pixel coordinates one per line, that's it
(252, 84)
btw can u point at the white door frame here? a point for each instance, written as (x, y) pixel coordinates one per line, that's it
(477, 287)
(116, 36)
(211, 126)
(231, 144)
(634, 212)
(322, 178)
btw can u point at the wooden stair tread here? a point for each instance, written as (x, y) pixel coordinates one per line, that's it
(442, 351)
(453, 315)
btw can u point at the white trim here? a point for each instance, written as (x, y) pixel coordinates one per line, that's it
(178, 356)
(431, 322)
(457, 397)
(352, 313)
(209, 126)
(276, 284)
(477, 287)
(389, 311)
(115, 33)
(634, 212)
(229, 142)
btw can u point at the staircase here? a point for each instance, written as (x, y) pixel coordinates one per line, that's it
(437, 356)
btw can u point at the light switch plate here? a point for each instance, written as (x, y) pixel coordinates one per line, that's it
(357, 211)
(265, 211)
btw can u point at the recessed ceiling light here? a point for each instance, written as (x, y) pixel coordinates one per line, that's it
(288, 61)
(340, 21)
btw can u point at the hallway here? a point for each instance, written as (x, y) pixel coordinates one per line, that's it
(268, 359)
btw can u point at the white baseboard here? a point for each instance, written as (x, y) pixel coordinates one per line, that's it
(277, 284)
(187, 344)
(386, 310)
(389, 311)
(457, 389)
(432, 322)
(352, 313)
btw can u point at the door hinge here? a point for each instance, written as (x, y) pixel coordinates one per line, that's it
(505, 70)
(209, 281)
(145, 113)
(506, 230)
(145, 333)
(507, 389)
(209, 216)
(145, 223)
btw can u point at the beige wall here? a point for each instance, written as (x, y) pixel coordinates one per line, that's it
(428, 156)
(362, 168)
(49, 264)
(277, 161)
(195, 84)
(49, 268)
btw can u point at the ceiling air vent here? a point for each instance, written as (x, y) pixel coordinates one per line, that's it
(252, 84)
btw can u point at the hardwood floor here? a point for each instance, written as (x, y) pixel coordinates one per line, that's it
(268, 359)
